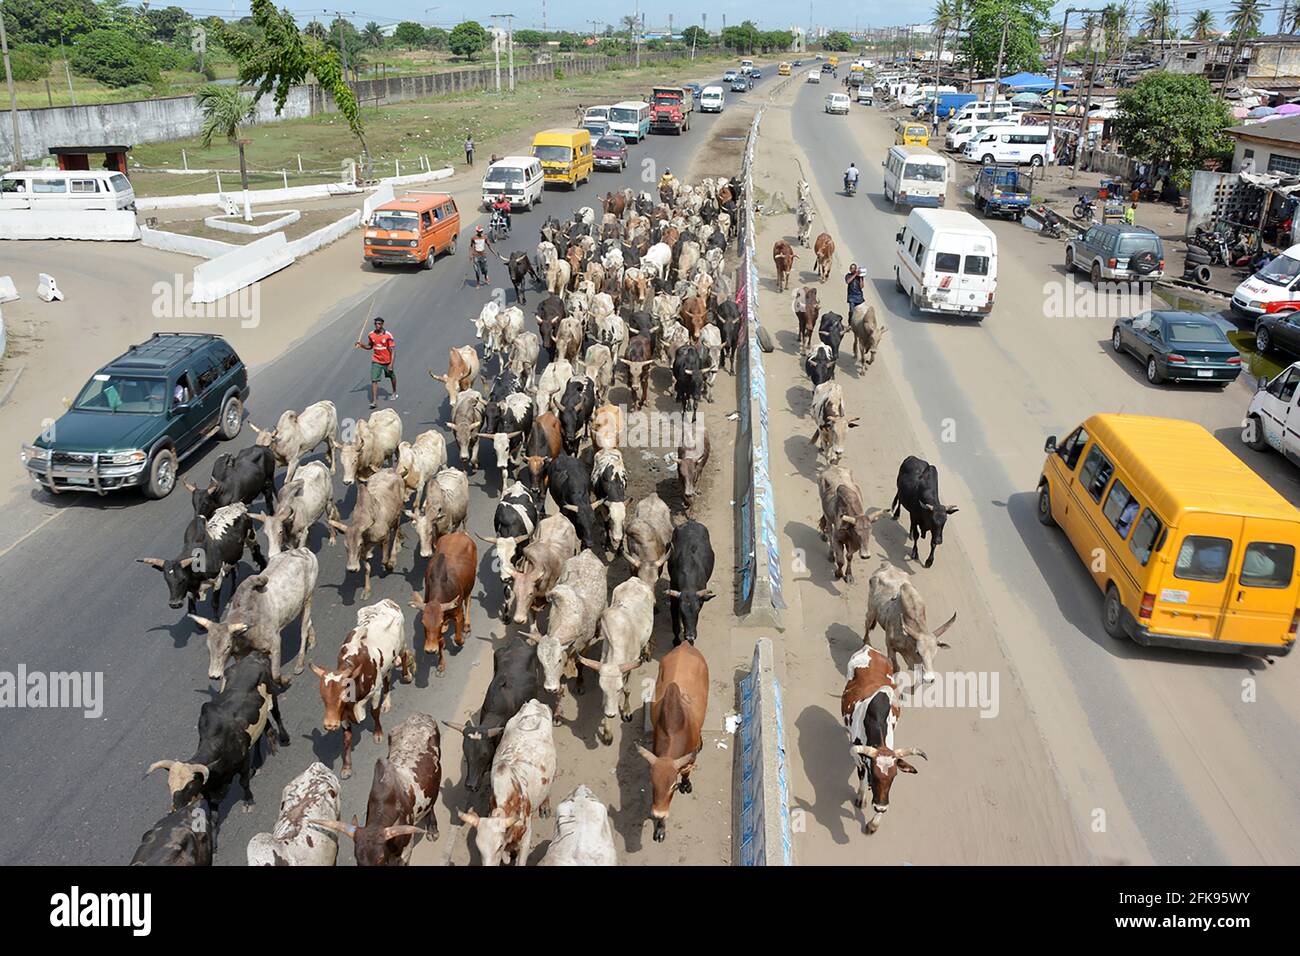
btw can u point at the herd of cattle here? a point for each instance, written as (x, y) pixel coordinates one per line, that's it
(642, 285)
(871, 701)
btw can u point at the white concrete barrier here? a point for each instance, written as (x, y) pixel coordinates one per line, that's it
(185, 245)
(111, 226)
(325, 235)
(8, 291)
(292, 194)
(384, 193)
(47, 290)
(240, 267)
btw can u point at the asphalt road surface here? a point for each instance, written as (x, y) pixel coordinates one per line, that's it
(72, 597)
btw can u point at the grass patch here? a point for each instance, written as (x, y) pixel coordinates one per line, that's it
(309, 222)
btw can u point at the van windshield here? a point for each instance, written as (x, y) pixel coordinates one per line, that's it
(598, 112)
(504, 174)
(396, 220)
(623, 115)
(925, 172)
(1281, 271)
(553, 154)
(121, 393)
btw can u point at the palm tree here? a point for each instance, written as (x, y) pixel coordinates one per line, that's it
(316, 30)
(225, 111)
(1156, 20)
(373, 35)
(1202, 25)
(943, 20)
(1245, 18)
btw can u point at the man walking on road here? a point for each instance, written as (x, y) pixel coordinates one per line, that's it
(469, 150)
(854, 281)
(478, 250)
(383, 347)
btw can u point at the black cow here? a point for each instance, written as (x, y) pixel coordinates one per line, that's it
(226, 741)
(206, 555)
(831, 330)
(570, 484)
(549, 313)
(520, 268)
(242, 477)
(609, 485)
(717, 240)
(690, 566)
(640, 322)
(183, 837)
(516, 679)
(505, 385)
(576, 408)
(688, 377)
(516, 519)
(727, 318)
(918, 492)
(820, 365)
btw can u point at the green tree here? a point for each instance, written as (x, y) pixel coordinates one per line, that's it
(40, 21)
(1202, 25)
(225, 112)
(165, 21)
(530, 38)
(1156, 20)
(697, 36)
(345, 34)
(28, 66)
(1023, 20)
(837, 41)
(1245, 18)
(316, 30)
(372, 35)
(467, 39)
(285, 58)
(435, 38)
(410, 35)
(1173, 118)
(114, 58)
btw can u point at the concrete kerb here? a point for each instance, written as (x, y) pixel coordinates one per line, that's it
(292, 194)
(762, 828)
(240, 267)
(101, 225)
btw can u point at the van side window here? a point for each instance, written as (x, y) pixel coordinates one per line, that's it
(49, 186)
(1203, 558)
(977, 265)
(426, 221)
(1284, 385)
(1120, 508)
(947, 262)
(1070, 449)
(84, 186)
(1267, 565)
(1145, 537)
(1097, 469)
(920, 252)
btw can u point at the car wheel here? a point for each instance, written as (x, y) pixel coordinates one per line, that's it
(1153, 371)
(1257, 443)
(528, 206)
(1112, 614)
(1095, 275)
(988, 159)
(1044, 510)
(232, 417)
(1263, 340)
(162, 475)
(428, 260)
(1036, 161)
(451, 248)
(898, 284)
(1116, 340)
(915, 303)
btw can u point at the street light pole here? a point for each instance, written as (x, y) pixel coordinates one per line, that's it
(1060, 61)
(13, 97)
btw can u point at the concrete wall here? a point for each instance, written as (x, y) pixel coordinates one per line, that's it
(178, 117)
(1262, 154)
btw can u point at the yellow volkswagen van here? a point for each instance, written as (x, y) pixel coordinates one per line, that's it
(565, 155)
(911, 134)
(783, 69)
(1189, 546)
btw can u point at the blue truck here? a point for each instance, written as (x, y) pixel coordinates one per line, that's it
(948, 104)
(1003, 191)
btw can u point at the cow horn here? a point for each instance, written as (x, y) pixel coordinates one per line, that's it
(338, 826)
(158, 563)
(257, 516)
(849, 519)
(947, 624)
(453, 725)
(634, 562)
(868, 752)
(160, 765)
(570, 507)
(951, 509)
(628, 667)
(685, 760)
(470, 819)
(338, 525)
(705, 595)
(449, 606)
(318, 670)
(436, 377)
(673, 594)
(202, 622)
(513, 435)
(911, 752)
(417, 601)
(254, 428)
(485, 539)
(649, 755)
(189, 486)
(588, 662)
(405, 829)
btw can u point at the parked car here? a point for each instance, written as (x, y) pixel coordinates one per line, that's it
(1178, 347)
(610, 152)
(1272, 288)
(1279, 330)
(1270, 412)
(141, 414)
(1118, 252)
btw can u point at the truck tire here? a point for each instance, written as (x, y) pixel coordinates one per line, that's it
(161, 477)
(765, 340)
(232, 417)
(1112, 614)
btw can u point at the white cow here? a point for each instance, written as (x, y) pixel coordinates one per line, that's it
(584, 835)
(312, 795)
(298, 433)
(625, 627)
(302, 502)
(420, 460)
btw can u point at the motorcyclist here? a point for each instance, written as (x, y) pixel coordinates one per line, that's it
(851, 178)
(501, 207)
(667, 185)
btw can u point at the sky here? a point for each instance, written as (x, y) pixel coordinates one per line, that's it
(575, 14)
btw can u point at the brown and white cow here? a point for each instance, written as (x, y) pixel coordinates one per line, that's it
(362, 678)
(376, 520)
(298, 433)
(462, 371)
(832, 422)
(870, 708)
(402, 795)
(783, 255)
(824, 250)
(895, 604)
(448, 583)
(374, 442)
(844, 524)
(313, 794)
(523, 770)
(677, 712)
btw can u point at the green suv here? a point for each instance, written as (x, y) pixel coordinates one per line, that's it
(141, 414)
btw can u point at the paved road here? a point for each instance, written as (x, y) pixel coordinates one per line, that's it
(1192, 757)
(73, 598)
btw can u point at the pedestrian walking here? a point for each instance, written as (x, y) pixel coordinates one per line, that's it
(383, 350)
(1130, 214)
(469, 150)
(479, 246)
(854, 282)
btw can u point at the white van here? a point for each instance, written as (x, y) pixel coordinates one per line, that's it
(837, 103)
(66, 189)
(520, 178)
(960, 132)
(746, 66)
(630, 119)
(984, 110)
(1278, 281)
(915, 175)
(595, 113)
(1006, 143)
(922, 93)
(947, 261)
(712, 99)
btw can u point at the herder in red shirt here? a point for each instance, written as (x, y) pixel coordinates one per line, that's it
(384, 347)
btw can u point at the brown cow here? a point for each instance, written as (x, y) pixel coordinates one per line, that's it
(680, 701)
(867, 332)
(694, 314)
(824, 249)
(462, 370)
(844, 524)
(448, 581)
(806, 309)
(544, 444)
(575, 257)
(692, 456)
(607, 426)
(870, 707)
(784, 257)
(639, 359)
(614, 203)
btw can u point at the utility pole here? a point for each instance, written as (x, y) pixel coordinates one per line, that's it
(997, 74)
(496, 50)
(1083, 120)
(636, 33)
(510, 48)
(68, 72)
(1056, 88)
(13, 97)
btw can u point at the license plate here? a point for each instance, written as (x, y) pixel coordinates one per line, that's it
(78, 481)
(1203, 373)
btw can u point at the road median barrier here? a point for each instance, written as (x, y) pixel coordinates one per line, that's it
(101, 225)
(241, 267)
(762, 830)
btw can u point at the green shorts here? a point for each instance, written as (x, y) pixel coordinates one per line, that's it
(379, 370)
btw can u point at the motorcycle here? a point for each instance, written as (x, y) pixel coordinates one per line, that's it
(850, 186)
(1083, 209)
(1214, 244)
(498, 227)
(1051, 224)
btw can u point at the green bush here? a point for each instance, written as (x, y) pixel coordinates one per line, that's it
(114, 58)
(559, 74)
(27, 67)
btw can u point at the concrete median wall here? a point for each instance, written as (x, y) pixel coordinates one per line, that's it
(763, 829)
(258, 197)
(325, 235)
(185, 245)
(241, 267)
(100, 225)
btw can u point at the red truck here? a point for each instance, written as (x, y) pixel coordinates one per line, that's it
(670, 109)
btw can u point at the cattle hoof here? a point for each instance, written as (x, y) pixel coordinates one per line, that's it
(685, 785)
(848, 579)
(248, 806)
(555, 721)
(283, 737)
(379, 736)
(627, 718)
(857, 803)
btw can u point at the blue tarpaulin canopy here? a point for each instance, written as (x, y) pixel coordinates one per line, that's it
(1031, 82)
